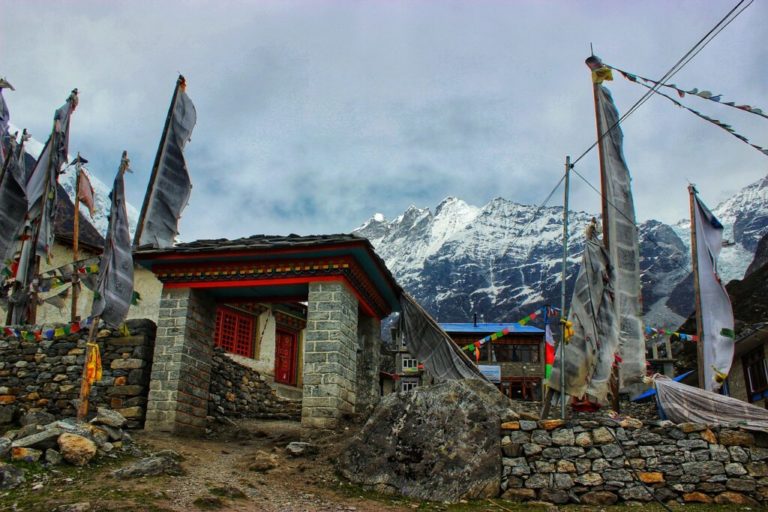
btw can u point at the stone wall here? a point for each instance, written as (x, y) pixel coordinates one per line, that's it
(181, 374)
(240, 392)
(330, 355)
(46, 374)
(582, 462)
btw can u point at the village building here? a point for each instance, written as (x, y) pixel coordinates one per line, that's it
(748, 379)
(514, 362)
(305, 310)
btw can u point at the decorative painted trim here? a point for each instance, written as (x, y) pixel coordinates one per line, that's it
(277, 273)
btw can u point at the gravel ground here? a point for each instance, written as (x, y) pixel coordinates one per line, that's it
(220, 472)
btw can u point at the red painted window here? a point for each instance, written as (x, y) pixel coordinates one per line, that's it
(234, 331)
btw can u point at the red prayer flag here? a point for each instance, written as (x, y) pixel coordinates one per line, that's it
(85, 192)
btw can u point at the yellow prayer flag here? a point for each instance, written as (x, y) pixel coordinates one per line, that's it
(602, 74)
(93, 363)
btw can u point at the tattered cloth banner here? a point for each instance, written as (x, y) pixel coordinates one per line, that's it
(707, 95)
(653, 331)
(716, 122)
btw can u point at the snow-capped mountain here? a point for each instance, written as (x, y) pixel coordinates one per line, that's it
(503, 260)
(101, 191)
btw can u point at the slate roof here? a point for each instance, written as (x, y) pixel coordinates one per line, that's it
(64, 226)
(257, 242)
(89, 238)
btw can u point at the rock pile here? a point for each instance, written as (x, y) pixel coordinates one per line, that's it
(45, 440)
(601, 462)
(237, 391)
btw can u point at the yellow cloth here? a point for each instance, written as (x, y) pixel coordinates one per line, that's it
(567, 329)
(601, 74)
(93, 363)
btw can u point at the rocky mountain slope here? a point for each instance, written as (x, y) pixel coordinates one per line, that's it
(502, 260)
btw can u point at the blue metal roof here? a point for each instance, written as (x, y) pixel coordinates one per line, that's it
(485, 329)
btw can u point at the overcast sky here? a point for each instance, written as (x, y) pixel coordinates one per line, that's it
(314, 115)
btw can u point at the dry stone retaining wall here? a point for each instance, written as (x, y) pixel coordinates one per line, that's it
(582, 462)
(240, 392)
(45, 375)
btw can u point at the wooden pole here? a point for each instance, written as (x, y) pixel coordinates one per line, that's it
(75, 242)
(85, 386)
(696, 290)
(180, 84)
(563, 394)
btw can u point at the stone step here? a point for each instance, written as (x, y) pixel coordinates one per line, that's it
(284, 391)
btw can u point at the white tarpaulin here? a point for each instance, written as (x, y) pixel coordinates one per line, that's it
(682, 403)
(716, 337)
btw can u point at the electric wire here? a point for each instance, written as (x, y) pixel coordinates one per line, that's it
(590, 185)
(680, 64)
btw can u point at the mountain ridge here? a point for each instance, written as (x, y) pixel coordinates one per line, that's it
(463, 259)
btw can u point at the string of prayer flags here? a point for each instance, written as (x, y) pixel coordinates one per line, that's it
(475, 347)
(716, 122)
(47, 333)
(652, 331)
(707, 95)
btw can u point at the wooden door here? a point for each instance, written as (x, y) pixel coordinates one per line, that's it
(286, 351)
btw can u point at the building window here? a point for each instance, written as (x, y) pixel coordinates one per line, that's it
(516, 353)
(410, 365)
(408, 384)
(234, 332)
(756, 374)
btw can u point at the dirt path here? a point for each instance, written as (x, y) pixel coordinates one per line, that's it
(220, 472)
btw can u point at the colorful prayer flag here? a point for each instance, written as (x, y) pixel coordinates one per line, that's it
(85, 191)
(93, 368)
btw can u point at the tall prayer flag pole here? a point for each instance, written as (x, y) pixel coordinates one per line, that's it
(115, 285)
(563, 394)
(696, 290)
(79, 161)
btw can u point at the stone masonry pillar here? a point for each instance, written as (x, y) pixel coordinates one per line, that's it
(330, 356)
(181, 369)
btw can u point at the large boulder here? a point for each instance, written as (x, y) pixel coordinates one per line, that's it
(437, 443)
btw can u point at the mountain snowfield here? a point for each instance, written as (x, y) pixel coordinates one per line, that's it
(462, 259)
